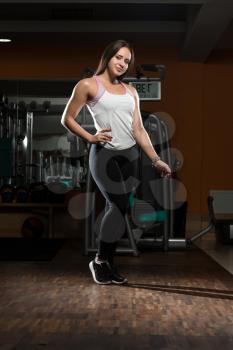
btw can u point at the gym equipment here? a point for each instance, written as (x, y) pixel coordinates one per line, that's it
(38, 171)
(78, 156)
(223, 215)
(6, 158)
(7, 193)
(38, 192)
(56, 191)
(151, 219)
(32, 227)
(15, 142)
(21, 194)
(152, 198)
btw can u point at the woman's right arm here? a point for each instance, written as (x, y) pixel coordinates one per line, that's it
(78, 99)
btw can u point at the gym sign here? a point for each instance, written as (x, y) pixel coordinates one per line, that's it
(148, 90)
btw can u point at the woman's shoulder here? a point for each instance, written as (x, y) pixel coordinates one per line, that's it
(131, 89)
(87, 85)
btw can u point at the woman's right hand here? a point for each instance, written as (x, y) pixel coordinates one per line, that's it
(163, 168)
(100, 136)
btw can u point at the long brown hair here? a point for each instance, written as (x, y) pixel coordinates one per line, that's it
(110, 51)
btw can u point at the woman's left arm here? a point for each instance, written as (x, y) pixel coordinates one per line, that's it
(142, 138)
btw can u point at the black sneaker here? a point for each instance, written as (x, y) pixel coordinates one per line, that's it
(116, 277)
(101, 273)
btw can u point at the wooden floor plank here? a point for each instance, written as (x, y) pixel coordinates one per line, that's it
(174, 300)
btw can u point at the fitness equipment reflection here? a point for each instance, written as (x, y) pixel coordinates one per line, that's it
(15, 143)
(22, 165)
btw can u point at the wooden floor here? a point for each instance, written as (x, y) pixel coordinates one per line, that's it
(175, 300)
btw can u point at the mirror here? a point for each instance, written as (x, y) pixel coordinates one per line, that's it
(42, 149)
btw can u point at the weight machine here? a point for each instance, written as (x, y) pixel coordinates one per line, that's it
(16, 124)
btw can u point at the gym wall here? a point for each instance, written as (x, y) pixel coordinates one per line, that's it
(197, 96)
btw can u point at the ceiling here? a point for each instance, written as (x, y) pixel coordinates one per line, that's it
(195, 27)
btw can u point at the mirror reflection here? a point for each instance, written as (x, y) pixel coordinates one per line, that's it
(35, 147)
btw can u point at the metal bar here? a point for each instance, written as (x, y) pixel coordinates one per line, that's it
(170, 182)
(131, 236)
(202, 232)
(87, 214)
(177, 243)
(164, 185)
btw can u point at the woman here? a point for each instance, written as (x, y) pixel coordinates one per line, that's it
(113, 153)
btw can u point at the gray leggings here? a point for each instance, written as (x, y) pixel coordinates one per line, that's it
(115, 173)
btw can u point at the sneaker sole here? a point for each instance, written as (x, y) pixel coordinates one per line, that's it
(123, 282)
(93, 275)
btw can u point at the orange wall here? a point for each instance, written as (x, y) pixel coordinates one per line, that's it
(197, 96)
(217, 170)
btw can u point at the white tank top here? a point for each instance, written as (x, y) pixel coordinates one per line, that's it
(116, 112)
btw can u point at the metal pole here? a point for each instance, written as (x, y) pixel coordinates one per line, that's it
(29, 134)
(164, 187)
(170, 182)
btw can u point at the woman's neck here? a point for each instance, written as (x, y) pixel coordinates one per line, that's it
(108, 78)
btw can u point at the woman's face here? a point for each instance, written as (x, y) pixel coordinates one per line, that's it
(119, 63)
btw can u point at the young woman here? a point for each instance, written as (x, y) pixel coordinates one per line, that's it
(113, 153)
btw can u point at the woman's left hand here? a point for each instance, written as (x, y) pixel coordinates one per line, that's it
(163, 168)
